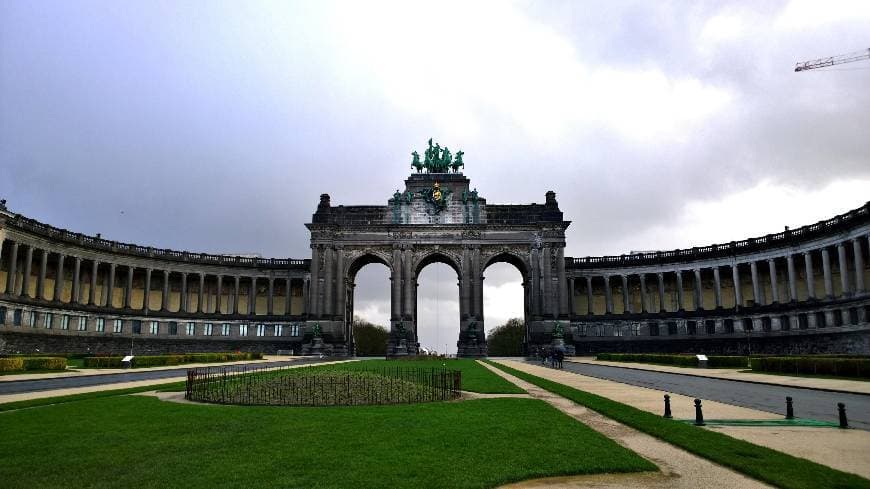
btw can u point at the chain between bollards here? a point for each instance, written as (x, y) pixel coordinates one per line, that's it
(844, 423)
(789, 409)
(699, 415)
(668, 406)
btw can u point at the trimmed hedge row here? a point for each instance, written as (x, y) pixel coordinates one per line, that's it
(679, 360)
(178, 359)
(15, 364)
(841, 367)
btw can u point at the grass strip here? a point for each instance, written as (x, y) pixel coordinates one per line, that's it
(48, 401)
(139, 442)
(755, 461)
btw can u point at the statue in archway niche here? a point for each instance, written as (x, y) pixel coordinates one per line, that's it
(316, 331)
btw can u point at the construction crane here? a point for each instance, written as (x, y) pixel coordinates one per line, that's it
(833, 60)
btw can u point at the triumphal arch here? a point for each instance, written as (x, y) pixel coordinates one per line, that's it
(437, 217)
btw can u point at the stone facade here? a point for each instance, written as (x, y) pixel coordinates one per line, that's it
(802, 290)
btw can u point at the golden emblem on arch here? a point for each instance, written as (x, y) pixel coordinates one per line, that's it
(436, 192)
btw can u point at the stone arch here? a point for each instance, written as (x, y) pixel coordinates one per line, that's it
(365, 258)
(438, 256)
(510, 257)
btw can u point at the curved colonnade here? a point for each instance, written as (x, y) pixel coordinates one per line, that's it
(66, 292)
(798, 291)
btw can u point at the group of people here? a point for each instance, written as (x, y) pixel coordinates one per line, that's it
(552, 356)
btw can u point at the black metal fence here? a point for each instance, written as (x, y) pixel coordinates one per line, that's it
(320, 386)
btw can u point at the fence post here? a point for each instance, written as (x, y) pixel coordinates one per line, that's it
(668, 406)
(789, 409)
(699, 415)
(841, 408)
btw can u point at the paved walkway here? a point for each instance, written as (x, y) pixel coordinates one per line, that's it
(678, 468)
(87, 372)
(119, 381)
(808, 403)
(834, 385)
(846, 450)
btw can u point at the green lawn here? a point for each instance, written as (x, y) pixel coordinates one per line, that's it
(475, 377)
(133, 441)
(764, 464)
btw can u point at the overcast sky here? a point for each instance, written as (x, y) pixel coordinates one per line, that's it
(214, 126)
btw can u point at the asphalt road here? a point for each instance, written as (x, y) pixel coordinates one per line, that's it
(808, 403)
(36, 385)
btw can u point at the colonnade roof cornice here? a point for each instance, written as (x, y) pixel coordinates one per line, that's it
(35, 233)
(847, 226)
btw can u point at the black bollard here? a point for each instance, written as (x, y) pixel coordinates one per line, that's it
(844, 423)
(668, 406)
(699, 415)
(789, 409)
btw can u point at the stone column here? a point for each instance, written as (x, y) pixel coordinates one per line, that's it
(182, 307)
(314, 292)
(679, 274)
(328, 283)
(546, 284)
(464, 289)
(396, 285)
(270, 298)
(252, 297)
(28, 262)
(288, 296)
(145, 301)
(570, 296)
(110, 287)
(774, 286)
(792, 278)
(128, 292)
(644, 300)
(77, 285)
(235, 308)
(717, 287)
(661, 279)
(811, 283)
(340, 284)
(477, 284)
(826, 269)
(845, 283)
(410, 285)
(13, 263)
(92, 293)
(735, 276)
(219, 294)
(306, 292)
(58, 283)
(534, 282)
(699, 298)
(626, 304)
(859, 266)
(43, 269)
(564, 308)
(756, 285)
(589, 296)
(608, 295)
(164, 298)
(199, 294)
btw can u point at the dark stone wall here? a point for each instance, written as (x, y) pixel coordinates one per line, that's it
(856, 343)
(44, 343)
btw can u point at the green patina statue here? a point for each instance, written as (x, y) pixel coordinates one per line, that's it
(437, 160)
(400, 330)
(316, 330)
(558, 331)
(416, 162)
(457, 163)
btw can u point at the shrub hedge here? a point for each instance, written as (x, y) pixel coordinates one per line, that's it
(19, 363)
(11, 364)
(175, 359)
(837, 366)
(679, 360)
